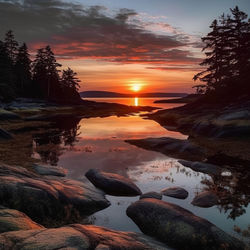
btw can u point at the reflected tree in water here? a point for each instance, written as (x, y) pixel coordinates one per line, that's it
(51, 144)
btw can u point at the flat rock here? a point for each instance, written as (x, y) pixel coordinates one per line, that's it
(154, 195)
(50, 170)
(205, 199)
(4, 135)
(112, 184)
(13, 220)
(78, 236)
(202, 167)
(49, 199)
(175, 192)
(178, 227)
(184, 149)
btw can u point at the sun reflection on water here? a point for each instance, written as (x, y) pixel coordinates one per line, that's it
(136, 101)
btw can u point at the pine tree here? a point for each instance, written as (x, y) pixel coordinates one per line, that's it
(22, 70)
(70, 80)
(11, 46)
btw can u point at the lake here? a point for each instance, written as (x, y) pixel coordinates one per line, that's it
(100, 143)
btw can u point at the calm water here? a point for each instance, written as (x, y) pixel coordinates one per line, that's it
(99, 143)
(136, 101)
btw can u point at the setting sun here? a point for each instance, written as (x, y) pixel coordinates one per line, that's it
(136, 87)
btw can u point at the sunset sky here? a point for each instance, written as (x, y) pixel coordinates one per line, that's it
(114, 44)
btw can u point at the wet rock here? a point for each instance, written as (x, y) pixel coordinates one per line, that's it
(205, 199)
(13, 220)
(4, 135)
(184, 149)
(202, 167)
(49, 200)
(179, 227)
(7, 115)
(50, 170)
(112, 184)
(78, 236)
(154, 195)
(176, 192)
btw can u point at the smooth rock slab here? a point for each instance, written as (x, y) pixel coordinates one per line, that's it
(4, 135)
(49, 199)
(112, 184)
(179, 227)
(184, 149)
(175, 192)
(202, 167)
(50, 170)
(205, 199)
(154, 195)
(13, 220)
(76, 237)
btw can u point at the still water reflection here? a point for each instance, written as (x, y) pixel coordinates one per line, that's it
(80, 144)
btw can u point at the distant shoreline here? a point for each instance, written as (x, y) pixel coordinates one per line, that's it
(107, 94)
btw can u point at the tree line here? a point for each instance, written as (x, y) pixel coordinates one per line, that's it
(40, 78)
(227, 62)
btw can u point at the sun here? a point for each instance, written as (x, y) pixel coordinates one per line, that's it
(136, 87)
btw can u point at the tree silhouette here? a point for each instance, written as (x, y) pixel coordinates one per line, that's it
(70, 80)
(227, 50)
(11, 46)
(22, 70)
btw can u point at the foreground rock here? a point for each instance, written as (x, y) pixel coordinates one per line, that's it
(77, 236)
(7, 115)
(112, 184)
(48, 200)
(13, 220)
(154, 195)
(175, 192)
(178, 227)
(50, 170)
(202, 167)
(205, 199)
(184, 149)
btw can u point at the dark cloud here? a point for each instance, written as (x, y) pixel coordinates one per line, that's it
(76, 31)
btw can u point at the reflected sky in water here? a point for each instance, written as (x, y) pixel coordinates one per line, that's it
(99, 143)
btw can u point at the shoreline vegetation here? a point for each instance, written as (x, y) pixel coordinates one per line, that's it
(36, 97)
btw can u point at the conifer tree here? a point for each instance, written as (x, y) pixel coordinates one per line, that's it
(70, 80)
(11, 46)
(22, 70)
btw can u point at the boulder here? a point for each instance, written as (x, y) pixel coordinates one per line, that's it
(78, 236)
(13, 220)
(49, 170)
(154, 195)
(175, 192)
(202, 167)
(205, 199)
(184, 149)
(51, 199)
(178, 227)
(112, 184)
(4, 135)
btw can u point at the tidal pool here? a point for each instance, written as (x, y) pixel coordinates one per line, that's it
(82, 144)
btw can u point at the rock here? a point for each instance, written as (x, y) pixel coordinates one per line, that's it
(13, 220)
(50, 170)
(5, 135)
(202, 167)
(176, 192)
(113, 184)
(7, 115)
(241, 114)
(49, 200)
(154, 195)
(205, 199)
(178, 227)
(183, 149)
(78, 236)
